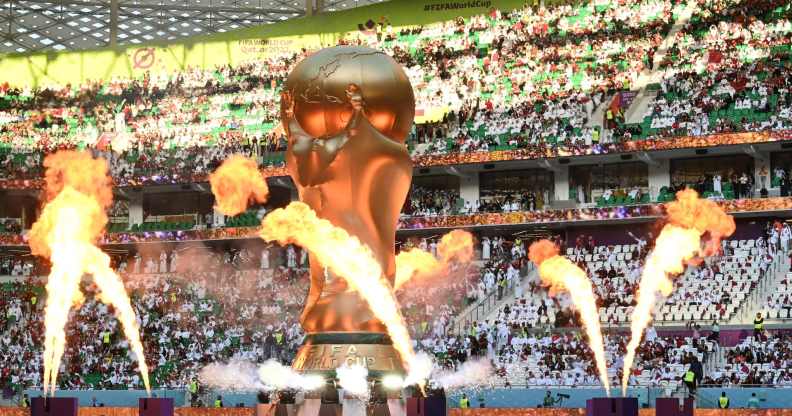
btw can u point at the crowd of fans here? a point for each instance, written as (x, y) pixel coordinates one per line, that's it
(159, 129)
(197, 306)
(762, 360)
(428, 202)
(194, 306)
(726, 71)
(526, 79)
(779, 302)
(533, 77)
(711, 291)
(564, 359)
(718, 47)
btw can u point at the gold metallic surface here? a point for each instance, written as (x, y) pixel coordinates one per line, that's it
(328, 357)
(347, 112)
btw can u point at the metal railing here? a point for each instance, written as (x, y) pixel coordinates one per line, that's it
(754, 301)
(483, 307)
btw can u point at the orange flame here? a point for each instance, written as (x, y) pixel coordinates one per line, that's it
(679, 243)
(235, 183)
(689, 211)
(456, 245)
(412, 263)
(82, 174)
(417, 264)
(346, 257)
(542, 250)
(78, 190)
(563, 276)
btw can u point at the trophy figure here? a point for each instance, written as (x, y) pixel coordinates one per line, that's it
(347, 111)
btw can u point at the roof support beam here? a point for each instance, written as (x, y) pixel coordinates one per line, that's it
(113, 23)
(174, 7)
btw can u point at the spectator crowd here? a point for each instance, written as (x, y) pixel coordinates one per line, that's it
(528, 79)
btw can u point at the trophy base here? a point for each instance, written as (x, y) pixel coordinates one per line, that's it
(314, 407)
(323, 353)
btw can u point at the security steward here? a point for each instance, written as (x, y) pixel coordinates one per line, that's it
(723, 401)
(464, 402)
(758, 325)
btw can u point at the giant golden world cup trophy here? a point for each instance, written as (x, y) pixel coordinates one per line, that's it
(347, 112)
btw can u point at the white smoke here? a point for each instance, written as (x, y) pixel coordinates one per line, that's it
(276, 376)
(421, 367)
(234, 376)
(246, 376)
(353, 379)
(471, 373)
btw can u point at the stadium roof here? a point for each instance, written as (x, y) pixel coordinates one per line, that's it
(37, 25)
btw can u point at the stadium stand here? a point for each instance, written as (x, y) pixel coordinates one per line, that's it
(216, 314)
(563, 360)
(205, 306)
(779, 302)
(518, 79)
(533, 84)
(714, 290)
(196, 315)
(757, 360)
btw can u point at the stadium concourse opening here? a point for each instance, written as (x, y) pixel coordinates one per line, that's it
(396, 207)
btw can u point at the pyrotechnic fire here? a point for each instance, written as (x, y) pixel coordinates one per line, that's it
(354, 380)
(421, 367)
(563, 276)
(237, 375)
(416, 264)
(78, 190)
(348, 258)
(470, 373)
(689, 218)
(275, 375)
(235, 183)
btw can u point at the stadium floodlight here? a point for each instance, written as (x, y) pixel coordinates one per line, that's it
(392, 382)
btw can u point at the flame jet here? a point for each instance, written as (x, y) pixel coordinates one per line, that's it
(417, 264)
(78, 191)
(563, 276)
(689, 218)
(348, 258)
(237, 182)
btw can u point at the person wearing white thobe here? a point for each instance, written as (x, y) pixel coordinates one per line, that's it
(174, 262)
(786, 235)
(291, 257)
(265, 258)
(303, 257)
(163, 264)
